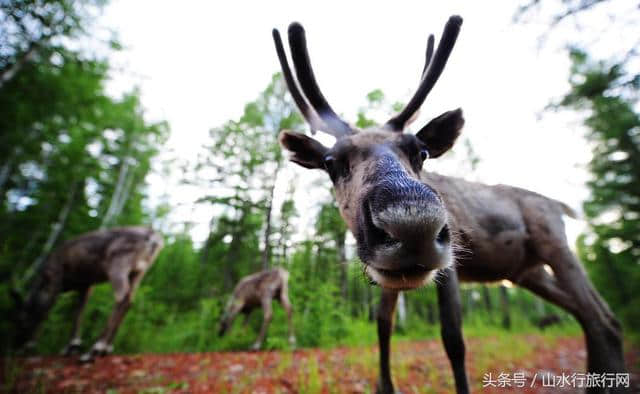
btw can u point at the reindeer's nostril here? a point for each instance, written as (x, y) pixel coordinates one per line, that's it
(443, 236)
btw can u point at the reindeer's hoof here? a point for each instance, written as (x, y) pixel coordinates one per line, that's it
(386, 389)
(256, 346)
(29, 348)
(86, 358)
(98, 350)
(292, 341)
(71, 350)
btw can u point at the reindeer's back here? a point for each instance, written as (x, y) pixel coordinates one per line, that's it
(253, 287)
(86, 259)
(491, 223)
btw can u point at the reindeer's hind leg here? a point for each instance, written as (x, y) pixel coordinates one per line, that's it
(543, 284)
(602, 332)
(76, 338)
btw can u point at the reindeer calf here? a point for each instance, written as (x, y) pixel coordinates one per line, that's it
(258, 290)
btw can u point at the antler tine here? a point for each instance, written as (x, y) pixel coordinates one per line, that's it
(429, 55)
(445, 46)
(307, 80)
(309, 114)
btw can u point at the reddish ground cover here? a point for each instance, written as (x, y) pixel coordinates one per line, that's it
(418, 367)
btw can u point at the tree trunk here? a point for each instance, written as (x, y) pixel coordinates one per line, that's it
(342, 261)
(7, 74)
(504, 300)
(487, 299)
(56, 229)
(266, 253)
(402, 310)
(115, 197)
(431, 312)
(5, 171)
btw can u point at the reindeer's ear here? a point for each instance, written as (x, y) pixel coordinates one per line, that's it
(306, 151)
(441, 133)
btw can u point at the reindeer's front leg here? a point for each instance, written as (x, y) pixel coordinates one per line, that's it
(76, 338)
(451, 326)
(266, 308)
(386, 309)
(123, 288)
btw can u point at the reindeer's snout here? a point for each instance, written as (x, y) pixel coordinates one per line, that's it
(403, 233)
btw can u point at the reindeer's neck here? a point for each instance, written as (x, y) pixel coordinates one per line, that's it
(43, 294)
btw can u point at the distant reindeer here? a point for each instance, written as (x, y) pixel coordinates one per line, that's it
(255, 291)
(548, 320)
(408, 223)
(119, 255)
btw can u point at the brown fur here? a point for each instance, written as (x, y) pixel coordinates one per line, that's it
(120, 255)
(255, 291)
(499, 232)
(502, 232)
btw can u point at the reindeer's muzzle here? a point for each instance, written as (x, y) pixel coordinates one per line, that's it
(403, 233)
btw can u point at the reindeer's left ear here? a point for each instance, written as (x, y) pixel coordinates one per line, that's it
(306, 151)
(441, 133)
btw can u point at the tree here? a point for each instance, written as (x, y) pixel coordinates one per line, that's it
(64, 140)
(241, 166)
(32, 29)
(608, 95)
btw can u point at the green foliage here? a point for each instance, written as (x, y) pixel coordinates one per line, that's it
(73, 159)
(608, 95)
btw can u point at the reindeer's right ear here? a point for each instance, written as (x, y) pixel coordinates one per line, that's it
(306, 151)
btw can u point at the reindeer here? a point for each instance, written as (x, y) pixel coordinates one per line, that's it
(120, 255)
(408, 223)
(258, 290)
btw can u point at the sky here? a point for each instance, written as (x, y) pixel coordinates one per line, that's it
(197, 63)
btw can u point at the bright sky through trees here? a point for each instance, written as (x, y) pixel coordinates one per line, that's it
(198, 64)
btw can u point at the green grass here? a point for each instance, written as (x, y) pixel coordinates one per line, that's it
(177, 329)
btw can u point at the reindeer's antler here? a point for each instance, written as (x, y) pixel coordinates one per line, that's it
(314, 107)
(309, 114)
(432, 70)
(428, 56)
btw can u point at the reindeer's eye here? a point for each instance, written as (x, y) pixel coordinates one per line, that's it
(329, 163)
(424, 154)
(335, 168)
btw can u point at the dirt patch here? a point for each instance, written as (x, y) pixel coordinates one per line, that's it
(418, 367)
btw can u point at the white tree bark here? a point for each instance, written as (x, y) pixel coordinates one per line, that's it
(8, 74)
(56, 229)
(402, 310)
(111, 212)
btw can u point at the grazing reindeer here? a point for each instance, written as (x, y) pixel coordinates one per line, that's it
(407, 222)
(119, 255)
(548, 320)
(258, 290)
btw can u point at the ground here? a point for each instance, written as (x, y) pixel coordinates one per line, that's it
(418, 367)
